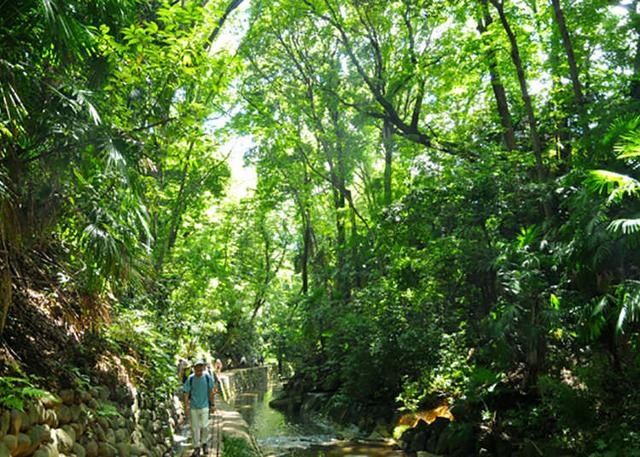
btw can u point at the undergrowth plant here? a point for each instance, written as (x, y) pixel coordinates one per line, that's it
(237, 447)
(15, 392)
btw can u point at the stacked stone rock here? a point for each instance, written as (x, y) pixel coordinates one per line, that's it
(74, 424)
(246, 380)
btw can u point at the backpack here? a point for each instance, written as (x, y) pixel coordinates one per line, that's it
(210, 382)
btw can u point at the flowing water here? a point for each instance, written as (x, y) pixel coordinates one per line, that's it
(281, 435)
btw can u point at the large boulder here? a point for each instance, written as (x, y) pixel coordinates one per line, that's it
(436, 428)
(417, 437)
(438, 425)
(444, 441)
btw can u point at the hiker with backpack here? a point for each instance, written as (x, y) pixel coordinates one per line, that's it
(199, 397)
(183, 370)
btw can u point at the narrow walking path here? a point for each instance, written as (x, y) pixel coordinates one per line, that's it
(183, 444)
(224, 421)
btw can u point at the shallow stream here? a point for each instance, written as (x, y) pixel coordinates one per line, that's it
(279, 435)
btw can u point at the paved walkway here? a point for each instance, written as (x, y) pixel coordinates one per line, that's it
(225, 421)
(183, 441)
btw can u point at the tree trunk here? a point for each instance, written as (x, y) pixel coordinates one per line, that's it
(534, 353)
(535, 347)
(5, 289)
(338, 173)
(12, 228)
(341, 241)
(635, 82)
(168, 241)
(387, 141)
(575, 80)
(232, 5)
(499, 91)
(306, 250)
(355, 256)
(568, 48)
(307, 231)
(536, 144)
(563, 136)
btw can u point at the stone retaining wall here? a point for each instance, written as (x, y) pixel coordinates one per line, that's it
(234, 383)
(86, 423)
(253, 379)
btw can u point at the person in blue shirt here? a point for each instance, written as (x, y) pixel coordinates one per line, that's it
(198, 392)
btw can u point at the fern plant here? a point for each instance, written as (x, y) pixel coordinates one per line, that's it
(626, 296)
(14, 392)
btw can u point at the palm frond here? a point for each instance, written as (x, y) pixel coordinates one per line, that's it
(4, 187)
(115, 159)
(595, 321)
(142, 216)
(629, 147)
(528, 236)
(626, 300)
(12, 104)
(629, 304)
(621, 127)
(594, 225)
(626, 226)
(12, 108)
(601, 305)
(617, 185)
(82, 99)
(70, 37)
(602, 254)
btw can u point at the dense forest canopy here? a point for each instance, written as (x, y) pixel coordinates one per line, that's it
(446, 204)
